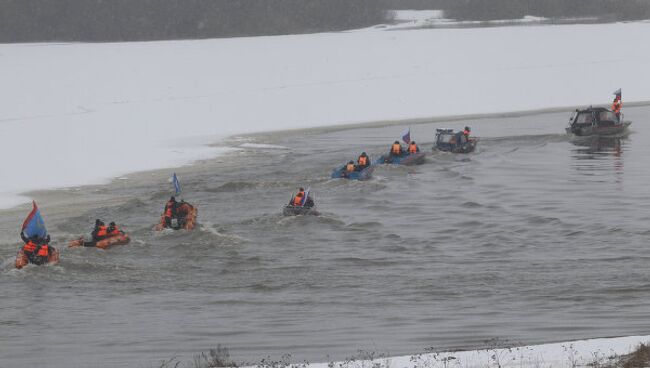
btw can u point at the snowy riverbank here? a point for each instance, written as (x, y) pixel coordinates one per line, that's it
(604, 352)
(76, 114)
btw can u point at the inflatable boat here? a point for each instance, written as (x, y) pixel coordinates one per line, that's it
(185, 219)
(120, 239)
(22, 260)
(405, 159)
(290, 210)
(363, 174)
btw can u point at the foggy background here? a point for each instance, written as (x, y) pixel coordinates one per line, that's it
(131, 20)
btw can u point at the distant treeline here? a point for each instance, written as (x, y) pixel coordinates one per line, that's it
(131, 20)
(121, 20)
(514, 9)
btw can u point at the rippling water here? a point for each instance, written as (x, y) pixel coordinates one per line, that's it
(535, 237)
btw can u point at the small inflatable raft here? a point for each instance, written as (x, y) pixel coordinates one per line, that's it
(103, 244)
(186, 215)
(407, 159)
(364, 174)
(290, 210)
(22, 260)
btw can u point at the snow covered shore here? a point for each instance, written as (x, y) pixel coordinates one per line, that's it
(573, 354)
(76, 114)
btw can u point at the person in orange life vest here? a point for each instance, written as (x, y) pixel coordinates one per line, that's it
(100, 232)
(466, 132)
(363, 161)
(396, 149)
(413, 148)
(297, 200)
(170, 211)
(36, 249)
(616, 107)
(113, 230)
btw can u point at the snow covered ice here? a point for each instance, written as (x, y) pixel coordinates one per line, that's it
(77, 114)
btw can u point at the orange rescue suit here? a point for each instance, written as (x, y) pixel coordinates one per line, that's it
(115, 231)
(413, 148)
(616, 106)
(297, 200)
(396, 149)
(363, 160)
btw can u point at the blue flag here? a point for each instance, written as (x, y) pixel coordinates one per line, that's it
(34, 224)
(177, 184)
(618, 93)
(406, 137)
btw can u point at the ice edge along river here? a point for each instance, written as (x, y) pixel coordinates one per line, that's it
(570, 354)
(79, 114)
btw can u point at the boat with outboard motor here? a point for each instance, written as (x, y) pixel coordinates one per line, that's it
(455, 142)
(596, 121)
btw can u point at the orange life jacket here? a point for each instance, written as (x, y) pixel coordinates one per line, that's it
(396, 149)
(616, 106)
(30, 247)
(168, 209)
(466, 132)
(297, 200)
(115, 231)
(363, 160)
(43, 251)
(102, 231)
(349, 167)
(413, 148)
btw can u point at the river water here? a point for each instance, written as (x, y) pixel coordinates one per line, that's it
(535, 237)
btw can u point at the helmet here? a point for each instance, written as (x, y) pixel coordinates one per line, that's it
(396, 142)
(363, 154)
(301, 189)
(112, 223)
(98, 221)
(412, 142)
(172, 199)
(351, 162)
(467, 128)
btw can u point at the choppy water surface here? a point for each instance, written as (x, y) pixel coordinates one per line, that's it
(534, 238)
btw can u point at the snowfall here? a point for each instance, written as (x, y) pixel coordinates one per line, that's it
(78, 114)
